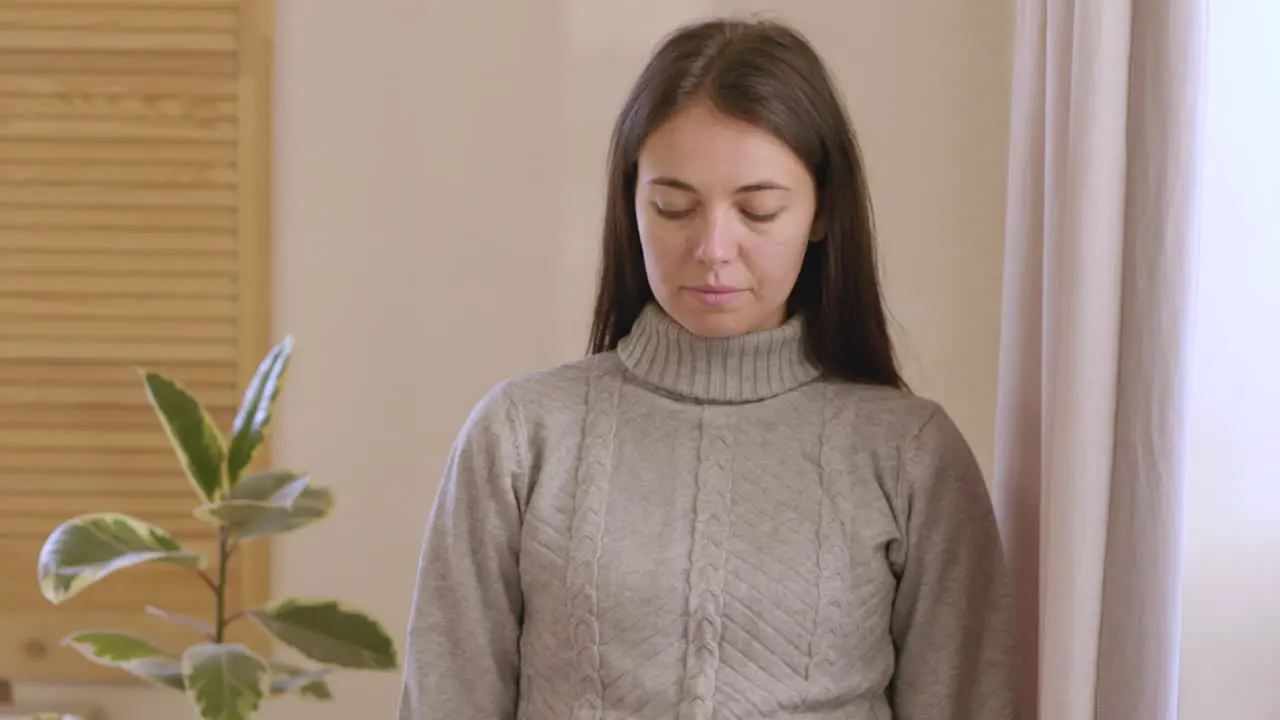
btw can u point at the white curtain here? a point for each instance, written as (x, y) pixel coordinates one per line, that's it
(1090, 469)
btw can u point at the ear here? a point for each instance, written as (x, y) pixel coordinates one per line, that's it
(818, 231)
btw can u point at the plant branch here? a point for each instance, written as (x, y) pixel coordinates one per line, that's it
(208, 580)
(220, 590)
(200, 627)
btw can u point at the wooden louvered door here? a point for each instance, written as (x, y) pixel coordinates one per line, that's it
(134, 232)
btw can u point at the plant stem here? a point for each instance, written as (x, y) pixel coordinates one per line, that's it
(208, 580)
(220, 591)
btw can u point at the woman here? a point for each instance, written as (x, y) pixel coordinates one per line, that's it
(731, 508)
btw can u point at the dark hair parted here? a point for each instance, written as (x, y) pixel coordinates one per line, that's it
(763, 73)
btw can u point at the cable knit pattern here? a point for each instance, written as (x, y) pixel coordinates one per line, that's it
(832, 615)
(590, 496)
(708, 529)
(707, 573)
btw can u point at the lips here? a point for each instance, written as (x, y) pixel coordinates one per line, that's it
(714, 295)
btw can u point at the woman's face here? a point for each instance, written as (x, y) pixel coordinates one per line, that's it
(725, 212)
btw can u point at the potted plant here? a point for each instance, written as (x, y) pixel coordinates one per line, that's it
(224, 680)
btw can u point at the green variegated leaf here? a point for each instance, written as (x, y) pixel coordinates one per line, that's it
(269, 503)
(224, 682)
(272, 486)
(87, 548)
(192, 433)
(290, 491)
(286, 678)
(328, 633)
(253, 419)
(130, 653)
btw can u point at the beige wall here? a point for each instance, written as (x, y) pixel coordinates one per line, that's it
(438, 193)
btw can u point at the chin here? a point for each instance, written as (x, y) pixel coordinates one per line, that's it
(716, 328)
(718, 323)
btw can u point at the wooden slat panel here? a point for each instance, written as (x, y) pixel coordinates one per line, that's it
(183, 220)
(151, 87)
(161, 285)
(79, 349)
(120, 154)
(80, 461)
(117, 106)
(192, 243)
(219, 401)
(119, 196)
(83, 415)
(163, 4)
(151, 504)
(86, 261)
(124, 28)
(93, 61)
(80, 391)
(71, 395)
(122, 485)
(221, 332)
(134, 227)
(134, 307)
(125, 441)
(20, 128)
(199, 374)
(140, 175)
(17, 39)
(123, 16)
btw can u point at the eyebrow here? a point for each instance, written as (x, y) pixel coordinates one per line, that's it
(686, 187)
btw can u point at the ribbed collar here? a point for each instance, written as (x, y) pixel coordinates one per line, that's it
(745, 368)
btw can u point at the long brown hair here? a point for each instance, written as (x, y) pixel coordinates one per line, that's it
(766, 74)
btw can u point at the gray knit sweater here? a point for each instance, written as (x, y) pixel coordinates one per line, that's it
(694, 528)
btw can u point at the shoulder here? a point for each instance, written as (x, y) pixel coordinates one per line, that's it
(556, 383)
(550, 390)
(535, 396)
(884, 416)
(509, 419)
(917, 429)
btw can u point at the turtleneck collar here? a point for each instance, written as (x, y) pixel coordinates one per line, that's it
(746, 368)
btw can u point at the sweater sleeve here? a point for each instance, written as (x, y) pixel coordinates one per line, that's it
(462, 646)
(952, 616)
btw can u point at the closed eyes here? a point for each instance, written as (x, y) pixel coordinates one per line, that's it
(754, 217)
(668, 214)
(674, 214)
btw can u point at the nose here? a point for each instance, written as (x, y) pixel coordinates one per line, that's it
(714, 240)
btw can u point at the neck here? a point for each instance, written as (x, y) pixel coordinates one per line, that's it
(746, 368)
